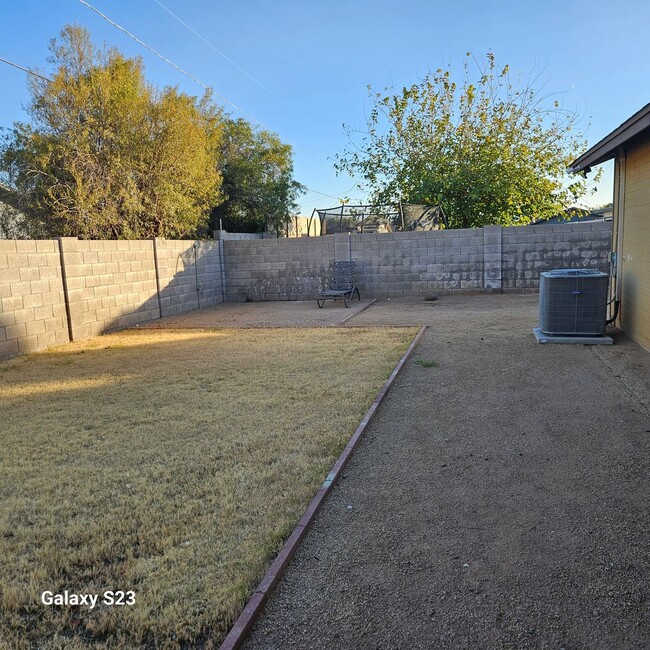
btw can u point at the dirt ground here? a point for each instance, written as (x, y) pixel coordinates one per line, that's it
(303, 313)
(498, 500)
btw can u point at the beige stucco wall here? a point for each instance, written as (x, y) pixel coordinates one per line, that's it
(635, 251)
(301, 227)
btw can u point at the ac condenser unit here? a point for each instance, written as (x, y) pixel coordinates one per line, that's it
(573, 302)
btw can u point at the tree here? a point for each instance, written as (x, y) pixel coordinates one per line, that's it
(107, 155)
(11, 223)
(488, 152)
(257, 168)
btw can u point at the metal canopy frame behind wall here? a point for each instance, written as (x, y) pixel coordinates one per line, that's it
(368, 218)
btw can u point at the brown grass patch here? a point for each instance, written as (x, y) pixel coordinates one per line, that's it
(171, 463)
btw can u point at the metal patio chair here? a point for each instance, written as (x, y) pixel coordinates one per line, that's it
(341, 285)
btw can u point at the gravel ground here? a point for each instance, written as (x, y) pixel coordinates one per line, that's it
(303, 313)
(498, 500)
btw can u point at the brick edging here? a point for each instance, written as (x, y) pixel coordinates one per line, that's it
(356, 313)
(254, 606)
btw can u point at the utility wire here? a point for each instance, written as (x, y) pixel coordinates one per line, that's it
(338, 198)
(27, 70)
(166, 60)
(35, 74)
(151, 49)
(220, 53)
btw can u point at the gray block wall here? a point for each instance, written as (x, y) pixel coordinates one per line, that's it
(110, 284)
(530, 250)
(32, 305)
(189, 274)
(107, 285)
(413, 264)
(277, 269)
(113, 284)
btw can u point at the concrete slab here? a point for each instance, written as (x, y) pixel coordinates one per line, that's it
(571, 340)
(298, 313)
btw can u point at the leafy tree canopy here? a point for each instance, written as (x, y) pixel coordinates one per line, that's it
(258, 186)
(487, 151)
(107, 155)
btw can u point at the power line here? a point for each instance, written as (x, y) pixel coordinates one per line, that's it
(166, 60)
(35, 74)
(338, 198)
(151, 49)
(27, 70)
(220, 53)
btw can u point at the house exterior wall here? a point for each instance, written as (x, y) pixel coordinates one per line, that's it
(635, 250)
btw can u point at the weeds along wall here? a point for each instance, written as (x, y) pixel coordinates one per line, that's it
(68, 289)
(60, 290)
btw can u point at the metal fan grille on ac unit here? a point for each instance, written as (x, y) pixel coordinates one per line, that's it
(573, 301)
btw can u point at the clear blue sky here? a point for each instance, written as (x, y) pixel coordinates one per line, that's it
(317, 58)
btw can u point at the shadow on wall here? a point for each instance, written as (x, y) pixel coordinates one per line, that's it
(278, 269)
(131, 282)
(55, 291)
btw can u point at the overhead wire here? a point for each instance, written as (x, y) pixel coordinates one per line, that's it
(27, 70)
(227, 58)
(169, 61)
(177, 67)
(151, 49)
(35, 74)
(338, 198)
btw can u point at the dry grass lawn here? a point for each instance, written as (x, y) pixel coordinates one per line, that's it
(170, 463)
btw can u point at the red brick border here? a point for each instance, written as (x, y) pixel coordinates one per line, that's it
(253, 608)
(356, 313)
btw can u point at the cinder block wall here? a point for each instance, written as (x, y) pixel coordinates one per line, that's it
(110, 284)
(411, 264)
(530, 250)
(189, 275)
(113, 284)
(32, 305)
(276, 269)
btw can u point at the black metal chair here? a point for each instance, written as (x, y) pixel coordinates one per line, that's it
(341, 285)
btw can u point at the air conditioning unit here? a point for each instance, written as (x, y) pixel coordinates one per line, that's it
(573, 302)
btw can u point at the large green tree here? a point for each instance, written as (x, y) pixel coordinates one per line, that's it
(258, 186)
(488, 151)
(107, 155)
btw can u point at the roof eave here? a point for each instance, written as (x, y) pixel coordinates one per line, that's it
(606, 149)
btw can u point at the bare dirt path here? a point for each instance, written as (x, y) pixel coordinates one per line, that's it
(290, 313)
(499, 499)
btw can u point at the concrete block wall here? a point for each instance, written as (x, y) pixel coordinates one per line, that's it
(414, 263)
(114, 284)
(32, 304)
(189, 274)
(530, 250)
(110, 284)
(55, 291)
(277, 269)
(492, 258)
